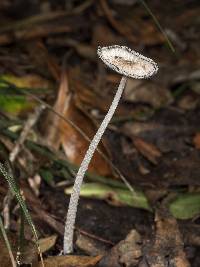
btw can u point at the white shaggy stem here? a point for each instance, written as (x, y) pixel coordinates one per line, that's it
(72, 209)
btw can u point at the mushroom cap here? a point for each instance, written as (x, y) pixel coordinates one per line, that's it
(127, 62)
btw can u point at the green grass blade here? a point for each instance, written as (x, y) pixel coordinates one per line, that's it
(158, 25)
(16, 192)
(14, 189)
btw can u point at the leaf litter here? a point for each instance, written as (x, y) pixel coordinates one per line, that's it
(156, 125)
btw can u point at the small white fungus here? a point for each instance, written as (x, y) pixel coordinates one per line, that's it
(127, 62)
(130, 64)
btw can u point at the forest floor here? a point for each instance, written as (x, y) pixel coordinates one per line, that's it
(51, 83)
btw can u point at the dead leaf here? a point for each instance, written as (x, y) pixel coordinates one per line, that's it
(167, 248)
(47, 243)
(90, 245)
(58, 132)
(87, 97)
(126, 253)
(148, 150)
(71, 261)
(147, 92)
(84, 96)
(196, 141)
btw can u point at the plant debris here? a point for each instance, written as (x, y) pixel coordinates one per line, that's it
(140, 203)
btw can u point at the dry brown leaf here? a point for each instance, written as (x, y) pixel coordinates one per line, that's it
(148, 150)
(58, 132)
(86, 98)
(147, 92)
(47, 243)
(75, 146)
(167, 249)
(90, 246)
(196, 141)
(71, 261)
(126, 253)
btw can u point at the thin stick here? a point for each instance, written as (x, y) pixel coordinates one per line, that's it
(27, 127)
(72, 210)
(6, 208)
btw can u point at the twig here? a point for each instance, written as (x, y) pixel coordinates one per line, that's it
(27, 127)
(33, 33)
(7, 202)
(95, 237)
(6, 208)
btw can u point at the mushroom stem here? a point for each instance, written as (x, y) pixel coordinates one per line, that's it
(72, 209)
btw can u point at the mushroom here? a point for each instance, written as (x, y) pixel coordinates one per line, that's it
(130, 64)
